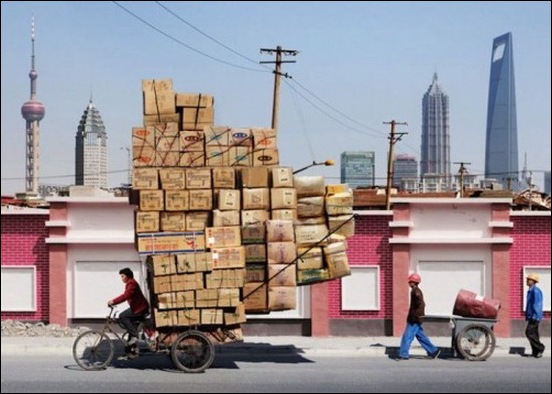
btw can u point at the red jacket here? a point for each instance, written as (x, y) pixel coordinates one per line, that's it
(133, 294)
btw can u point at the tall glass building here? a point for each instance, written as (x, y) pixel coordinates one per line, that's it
(435, 158)
(501, 150)
(357, 169)
(405, 167)
(91, 149)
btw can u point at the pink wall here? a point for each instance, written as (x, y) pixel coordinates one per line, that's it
(23, 243)
(369, 246)
(528, 231)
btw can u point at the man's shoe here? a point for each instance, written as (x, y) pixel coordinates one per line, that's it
(401, 358)
(435, 354)
(538, 355)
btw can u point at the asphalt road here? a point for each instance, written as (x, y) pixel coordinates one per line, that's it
(241, 373)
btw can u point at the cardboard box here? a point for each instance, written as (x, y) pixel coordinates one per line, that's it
(280, 231)
(166, 318)
(255, 253)
(254, 233)
(152, 120)
(256, 198)
(164, 301)
(216, 237)
(239, 156)
(228, 199)
(225, 278)
(282, 177)
(172, 178)
(145, 178)
(265, 157)
(309, 186)
(192, 159)
(216, 136)
(309, 258)
(337, 188)
(228, 257)
(224, 178)
(339, 204)
(172, 221)
(284, 198)
(184, 299)
(198, 100)
(311, 234)
(192, 141)
(255, 297)
(225, 218)
(281, 252)
(307, 277)
(254, 217)
(146, 222)
(177, 200)
(201, 200)
(310, 207)
(143, 137)
(186, 282)
(161, 264)
(197, 118)
(235, 317)
(143, 156)
(281, 298)
(197, 220)
(189, 317)
(241, 137)
(283, 214)
(264, 138)
(198, 178)
(281, 275)
(255, 273)
(212, 316)
(163, 243)
(147, 200)
(194, 262)
(253, 177)
(343, 225)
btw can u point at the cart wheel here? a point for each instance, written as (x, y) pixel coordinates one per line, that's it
(193, 352)
(93, 350)
(475, 342)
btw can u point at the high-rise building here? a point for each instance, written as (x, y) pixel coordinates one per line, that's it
(91, 149)
(357, 169)
(33, 112)
(435, 158)
(547, 182)
(405, 167)
(501, 149)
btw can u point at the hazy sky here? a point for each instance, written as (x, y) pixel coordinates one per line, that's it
(359, 64)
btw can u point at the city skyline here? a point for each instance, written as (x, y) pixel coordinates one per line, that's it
(369, 71)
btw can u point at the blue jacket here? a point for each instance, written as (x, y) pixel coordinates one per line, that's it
(533, 308)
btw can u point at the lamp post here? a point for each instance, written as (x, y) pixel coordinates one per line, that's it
(328, 162)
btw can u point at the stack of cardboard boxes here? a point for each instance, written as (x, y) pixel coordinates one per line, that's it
(220, 223)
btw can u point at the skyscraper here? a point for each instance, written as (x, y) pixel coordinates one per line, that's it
(91, 149)
(435, 158)
(501, 150)
(33, 112)
(357, 168)
(405, 167)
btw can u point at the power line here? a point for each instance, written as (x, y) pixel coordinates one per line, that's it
(182, 43)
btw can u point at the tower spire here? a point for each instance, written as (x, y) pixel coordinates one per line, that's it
(32, 111)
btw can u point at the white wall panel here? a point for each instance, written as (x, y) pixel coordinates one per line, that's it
(360, 290)
(18, 288)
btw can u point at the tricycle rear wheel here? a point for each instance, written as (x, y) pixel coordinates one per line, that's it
(475, 342)
(193, 352)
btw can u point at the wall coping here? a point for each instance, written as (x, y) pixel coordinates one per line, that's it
(451, 200)
(372, 212)
(90, 240)
(25, 211)
(92, 200)
(436, 240)
(530, 213)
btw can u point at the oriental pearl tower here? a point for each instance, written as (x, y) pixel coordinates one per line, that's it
(33, 112)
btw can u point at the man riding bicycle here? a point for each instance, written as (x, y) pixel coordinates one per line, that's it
(131, 317)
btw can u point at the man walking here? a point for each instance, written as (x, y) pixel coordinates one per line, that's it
(533, 315)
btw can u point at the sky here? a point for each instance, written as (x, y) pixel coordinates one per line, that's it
(360, 64)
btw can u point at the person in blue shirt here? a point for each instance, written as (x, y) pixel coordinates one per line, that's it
(533, 315)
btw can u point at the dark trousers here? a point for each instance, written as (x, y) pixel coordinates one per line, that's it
(129, 321)
(532, 333)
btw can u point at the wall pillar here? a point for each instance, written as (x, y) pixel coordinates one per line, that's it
(320, 309)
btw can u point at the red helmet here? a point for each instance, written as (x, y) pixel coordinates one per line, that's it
(414, 278)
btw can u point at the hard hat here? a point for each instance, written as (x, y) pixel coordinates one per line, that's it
(414, 278)
(533, 277)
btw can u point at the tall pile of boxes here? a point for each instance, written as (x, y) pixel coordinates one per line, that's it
(225, 230)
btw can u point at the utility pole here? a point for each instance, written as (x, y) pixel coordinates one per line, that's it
(461, 172)
(277, 73)
(393, 138)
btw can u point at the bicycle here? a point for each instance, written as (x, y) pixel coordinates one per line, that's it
(191, 351)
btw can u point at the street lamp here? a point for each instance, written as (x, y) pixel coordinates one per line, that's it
(328, 162)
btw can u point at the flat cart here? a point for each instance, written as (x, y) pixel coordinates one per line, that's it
(472, 338)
